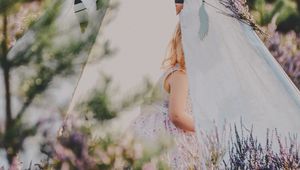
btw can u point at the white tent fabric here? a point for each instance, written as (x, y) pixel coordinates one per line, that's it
(80, 21)
(140, 45)
(232, 75)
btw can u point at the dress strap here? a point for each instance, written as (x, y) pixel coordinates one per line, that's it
(171, 70)
(168, 73)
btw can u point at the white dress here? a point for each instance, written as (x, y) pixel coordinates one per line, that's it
(154, 120)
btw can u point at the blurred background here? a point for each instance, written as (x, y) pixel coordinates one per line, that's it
(46, 44)
(281, 20)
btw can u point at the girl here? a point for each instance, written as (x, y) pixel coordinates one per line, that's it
(171, 112)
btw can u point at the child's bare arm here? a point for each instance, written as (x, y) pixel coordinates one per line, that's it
(177, 102)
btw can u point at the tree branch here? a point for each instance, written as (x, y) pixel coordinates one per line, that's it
(6, 72)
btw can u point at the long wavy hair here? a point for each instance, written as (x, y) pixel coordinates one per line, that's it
(175, 51)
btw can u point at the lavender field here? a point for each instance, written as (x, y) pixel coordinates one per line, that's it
(37, 57)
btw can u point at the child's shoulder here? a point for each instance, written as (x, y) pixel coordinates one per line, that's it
(174, 74)
(173, 69)
(177, 74)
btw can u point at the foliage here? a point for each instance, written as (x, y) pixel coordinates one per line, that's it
(239, 148)
(280, 20)
(286, 49)
(213, 147)
(241, 12)
(102, 108)
(78, 148)
(109, 152)
(30, 62)
(287, 11)
(246, 152)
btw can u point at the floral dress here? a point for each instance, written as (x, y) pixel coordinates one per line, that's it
(154, 119)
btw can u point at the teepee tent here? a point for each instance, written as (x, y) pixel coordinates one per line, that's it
(232, 75)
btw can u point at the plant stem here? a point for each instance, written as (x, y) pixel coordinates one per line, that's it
(6, 71)
(6, 77)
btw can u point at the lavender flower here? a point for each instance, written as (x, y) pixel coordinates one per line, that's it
(286, 50)
(240, 11)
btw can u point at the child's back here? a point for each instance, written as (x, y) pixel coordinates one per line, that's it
(154, 121)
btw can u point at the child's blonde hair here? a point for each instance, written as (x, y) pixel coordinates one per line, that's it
(175, 51)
